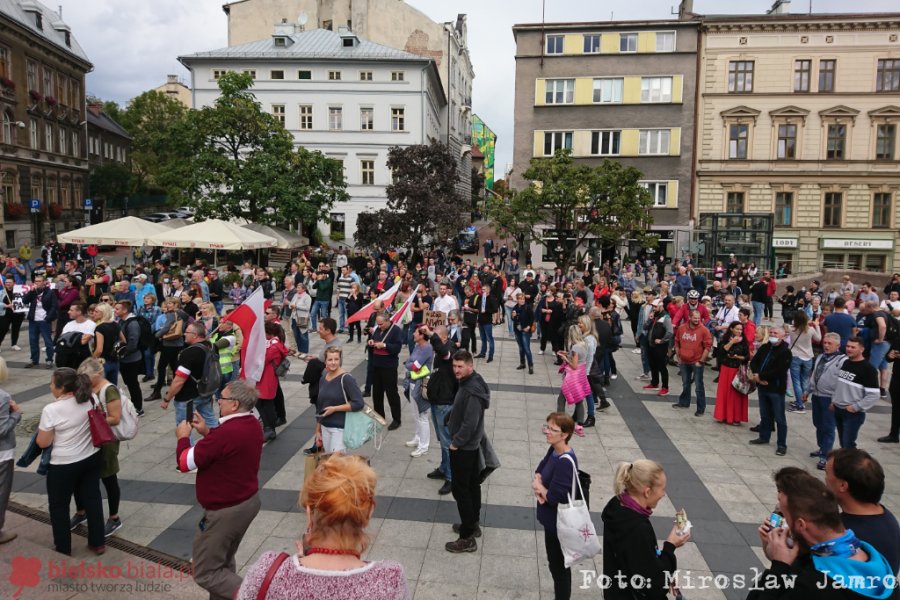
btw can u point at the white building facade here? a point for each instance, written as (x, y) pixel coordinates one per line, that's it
(346, 97)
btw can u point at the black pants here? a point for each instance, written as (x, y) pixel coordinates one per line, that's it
(562, 576)
(113, 495)
(469, 339)
(266, 408)
(130, 373)
(279, 403)
(168, 357)
(769, 307)
(894, 391)
(357, 327)
(466, 488)
(14, 321)
(658, 359)
(60, 324)
(63, 481)
(369, 372)
(384, 381)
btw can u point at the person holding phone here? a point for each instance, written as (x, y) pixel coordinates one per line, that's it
(732, 407)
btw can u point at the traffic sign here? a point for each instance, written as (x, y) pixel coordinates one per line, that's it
(34, 204)
(88, 204)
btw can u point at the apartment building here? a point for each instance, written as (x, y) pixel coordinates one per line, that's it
(622, 90)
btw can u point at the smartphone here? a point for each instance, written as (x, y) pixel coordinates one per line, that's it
(189, 415)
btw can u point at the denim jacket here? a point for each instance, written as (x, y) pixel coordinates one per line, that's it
(32, 451)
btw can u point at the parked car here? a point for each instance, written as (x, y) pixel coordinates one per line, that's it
(184, 212)
(467, 241)
(160, 216)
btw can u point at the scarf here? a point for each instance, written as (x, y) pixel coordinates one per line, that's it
(632, 504)
(844, 546)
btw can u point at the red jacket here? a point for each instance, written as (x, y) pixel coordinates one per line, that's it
(684, 312)
(691, 342)
(275, 353)
(770, 287)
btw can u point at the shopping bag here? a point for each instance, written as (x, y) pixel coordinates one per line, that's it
(575, 386)
(574, 528)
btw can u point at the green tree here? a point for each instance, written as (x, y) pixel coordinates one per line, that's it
(111, 183)
(237, 160)
(579, 202)
(424, 208)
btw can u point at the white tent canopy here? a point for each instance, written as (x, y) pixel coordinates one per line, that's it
(286, 239)
(127, 231)
(213, 234)
(170, 224)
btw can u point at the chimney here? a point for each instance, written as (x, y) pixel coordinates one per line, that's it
(685, 9)
(780, 7)
(171, 79)
(95, 108)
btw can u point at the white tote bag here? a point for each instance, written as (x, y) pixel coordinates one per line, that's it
(574, 527)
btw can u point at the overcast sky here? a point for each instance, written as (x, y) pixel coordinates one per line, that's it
(133, 44)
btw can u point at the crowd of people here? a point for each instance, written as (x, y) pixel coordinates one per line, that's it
(155, 323)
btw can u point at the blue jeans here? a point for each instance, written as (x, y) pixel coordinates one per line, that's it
(800, 370)
(823, 419)
(300, 337)
(509, 323)
(342, 313)
(42, 328)
(220, 306)
(486, 330)
(148, 362)
(771, 407)
(758, 309)
(320, 310)
(848, 425)
(645, 354)
(687, 373)
(111, 371)
(877, 354)
(226, 379)
(524, 340)
(203, 407)
(438, 414)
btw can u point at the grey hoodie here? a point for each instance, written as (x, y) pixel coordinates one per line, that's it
(8, 422)
(467, 415)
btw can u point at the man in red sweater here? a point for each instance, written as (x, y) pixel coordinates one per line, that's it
(227, 464)
(693, 341)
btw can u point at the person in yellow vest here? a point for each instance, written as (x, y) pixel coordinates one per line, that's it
(224, 340)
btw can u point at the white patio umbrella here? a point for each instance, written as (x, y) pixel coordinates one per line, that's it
(213, 234)
(175, 223)
(286, 239)
(127, 231)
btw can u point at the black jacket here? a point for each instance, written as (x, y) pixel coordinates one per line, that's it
(772, 363)
(523, 317)
(442, 384)
(49, 301)
(486, 309)
(629, 548)
(467, 415)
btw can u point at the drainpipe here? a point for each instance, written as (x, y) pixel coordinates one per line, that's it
(695, 161)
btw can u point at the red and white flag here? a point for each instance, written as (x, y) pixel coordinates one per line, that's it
(250, 317)
(397, 317)
(386, 297)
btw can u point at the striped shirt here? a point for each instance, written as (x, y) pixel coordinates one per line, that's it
(343, 286)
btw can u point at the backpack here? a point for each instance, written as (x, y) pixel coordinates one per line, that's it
(210, 379)
(891, 326)
(146, 339)
(70, 351)
(127, 428)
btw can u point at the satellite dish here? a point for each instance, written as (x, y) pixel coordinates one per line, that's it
(303, 18)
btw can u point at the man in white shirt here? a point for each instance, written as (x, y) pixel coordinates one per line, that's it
(892, 303)
(72, 355)
(445, 302)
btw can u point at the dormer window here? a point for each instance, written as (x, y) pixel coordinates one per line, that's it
(280, 42)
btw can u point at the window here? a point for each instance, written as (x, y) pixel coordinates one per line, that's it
(277, 74)
(665, 41)
(278, 113)
(5, 70)
(48, 137)
(48, 82)
(63, 141)
(367, 119)
(31, 74)
(656, 89)
(398, 119)
(337, 225)
(831, 216)
(833, 261)
(560, 91)
(327, 24)
(787, 141)
(251, 73)
(628, 42)
(75, 91)
(875, 262)
(7, 129)
(740, 76)
(554, 44)
(217, 73)
(734, 202)
(654, 141)
(365, 75)
(367, 169)
(76, 144)
(592, 43)
(826, 75)
(884, 141)
(837, 135)
(888, 77)
(784, 209)
(334, 75)
(335, 121)
(397, 76)
(881, 210)
(306, 116)
(557, 140)
(304, 74)
(802, 70)
(608, 91)
(738, 135)
(64, 197)
(658, 190)
(605, 143)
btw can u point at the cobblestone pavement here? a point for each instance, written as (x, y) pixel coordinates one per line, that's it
(724, 484)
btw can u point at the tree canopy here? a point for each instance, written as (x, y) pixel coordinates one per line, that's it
(424, 208)
(577, 202)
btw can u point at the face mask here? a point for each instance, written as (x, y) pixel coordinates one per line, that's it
(774, 340)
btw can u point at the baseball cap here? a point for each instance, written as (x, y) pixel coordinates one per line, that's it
(142, 276)
(656, 302)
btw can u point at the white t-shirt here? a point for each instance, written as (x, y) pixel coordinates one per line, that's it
(445, 303)
(39, 313)
(68, 420)
(86, 328)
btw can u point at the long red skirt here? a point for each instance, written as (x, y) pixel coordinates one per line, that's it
(731, 405)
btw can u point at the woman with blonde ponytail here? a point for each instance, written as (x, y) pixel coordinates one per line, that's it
(631, 556)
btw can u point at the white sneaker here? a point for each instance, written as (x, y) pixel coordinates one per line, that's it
(17, 348)
(614, 376)
(418, 452)
(411, 443)
(643, 376)
(540, 351)
(636, 351)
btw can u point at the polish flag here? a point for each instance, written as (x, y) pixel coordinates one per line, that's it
(366, 311)
(398, 316)
(250, 317)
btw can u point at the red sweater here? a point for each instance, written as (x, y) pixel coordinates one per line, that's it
(227, 462)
